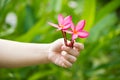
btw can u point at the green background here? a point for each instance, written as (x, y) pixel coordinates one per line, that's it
(100, 58)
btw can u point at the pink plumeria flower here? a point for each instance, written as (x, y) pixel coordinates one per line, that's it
(63, 23)
(78, 30)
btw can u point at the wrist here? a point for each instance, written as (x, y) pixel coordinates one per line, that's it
(49, 51)
(40, 53)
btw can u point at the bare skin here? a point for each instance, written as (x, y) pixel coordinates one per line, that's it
(17, 54)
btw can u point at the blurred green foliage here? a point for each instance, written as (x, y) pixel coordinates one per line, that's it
(100, 59)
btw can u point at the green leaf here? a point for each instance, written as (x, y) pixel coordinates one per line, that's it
(40, 74)
(110, 64)
(32, 32)
(89, 13)
(3, 3)
(29, 18)
(58, 5)
(102, 25)
(110, 7)
(55, 5)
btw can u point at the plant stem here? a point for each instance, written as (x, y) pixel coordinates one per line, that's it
(72, 42)
(65, 38)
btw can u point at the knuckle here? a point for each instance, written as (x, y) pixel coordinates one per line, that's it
(74, 59)
(68, 49)
(77, 53)
(70, 65)
(82, 46)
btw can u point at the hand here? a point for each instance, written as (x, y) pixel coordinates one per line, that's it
(62, 55)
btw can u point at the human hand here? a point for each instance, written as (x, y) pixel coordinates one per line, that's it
(62, 55)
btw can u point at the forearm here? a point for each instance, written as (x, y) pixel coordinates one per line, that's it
(16, 54)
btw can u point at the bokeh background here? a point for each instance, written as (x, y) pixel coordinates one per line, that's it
(26, 21)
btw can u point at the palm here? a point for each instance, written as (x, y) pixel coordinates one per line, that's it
(55, 52)
(62, 55)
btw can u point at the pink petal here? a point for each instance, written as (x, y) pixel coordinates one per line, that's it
(72, 26)
(83, 34)
(67, 26)
(80, 25)
(67, 20)
(69, 32)
(60, 19)
(54, 25)
(59, 29)
(74, 36)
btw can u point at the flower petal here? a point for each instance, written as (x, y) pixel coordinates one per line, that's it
(67, 20)
(54, 25)
(69, 32)
(80, 25)
(72, 26)
(60, 19)
(67, 26)
(83, 34)
(74, 36)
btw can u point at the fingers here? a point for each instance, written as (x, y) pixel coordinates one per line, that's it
(64, 59)
(68, 57)
(66, 63)
(71, 51)
(63, 62)
(70, 54)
